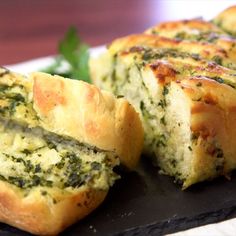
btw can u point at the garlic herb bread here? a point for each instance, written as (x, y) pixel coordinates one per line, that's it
(180, 77)
(54, 171)
(198, 31)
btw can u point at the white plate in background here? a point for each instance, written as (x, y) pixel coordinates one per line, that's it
(43, 62)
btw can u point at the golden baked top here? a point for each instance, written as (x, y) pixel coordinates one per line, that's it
(186, 29)
(196, 49)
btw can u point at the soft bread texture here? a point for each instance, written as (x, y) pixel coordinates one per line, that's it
(95, 116)
(184, 91)
(56, 167)
(182, 115)
(57, 101)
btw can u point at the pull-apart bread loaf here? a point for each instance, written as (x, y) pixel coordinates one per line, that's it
(60, 140)
(185, 97)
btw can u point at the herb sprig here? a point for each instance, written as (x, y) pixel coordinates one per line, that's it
(73, 53)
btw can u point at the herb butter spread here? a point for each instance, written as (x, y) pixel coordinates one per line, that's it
(31, 156)
(185, 99)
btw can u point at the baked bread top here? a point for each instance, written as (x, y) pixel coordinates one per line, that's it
(197, 31)
(201, 50)
(184, 28)
(176, 64)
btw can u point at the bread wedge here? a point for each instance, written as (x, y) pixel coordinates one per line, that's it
(60, 140)
(186, 103)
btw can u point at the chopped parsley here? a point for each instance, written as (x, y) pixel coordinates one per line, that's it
(165, 91)
(218, 79)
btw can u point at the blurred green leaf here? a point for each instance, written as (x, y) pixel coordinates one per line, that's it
(74, 52)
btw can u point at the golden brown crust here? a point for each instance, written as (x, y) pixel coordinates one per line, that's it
(172, 27)
(213, 107)
(178, 69)
(205, 50)
(83, 112)
(210, 101)
(46, 214)
(196, 30)
(209, 117)
(213, 111)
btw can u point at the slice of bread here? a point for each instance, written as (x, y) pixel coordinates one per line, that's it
(60, 140)
(184, 102)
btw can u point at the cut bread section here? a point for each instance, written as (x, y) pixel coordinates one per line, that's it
(197, 116)
(57, 160)
(96, 117)
(48, 183)
(181, 103)
(37, 214)
(50, 101)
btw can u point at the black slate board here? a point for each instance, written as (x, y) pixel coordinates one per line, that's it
(146, 203)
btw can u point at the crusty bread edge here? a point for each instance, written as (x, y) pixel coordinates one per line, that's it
(46, 214)
(82, 111)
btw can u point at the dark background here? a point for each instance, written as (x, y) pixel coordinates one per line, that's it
(32, 28)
